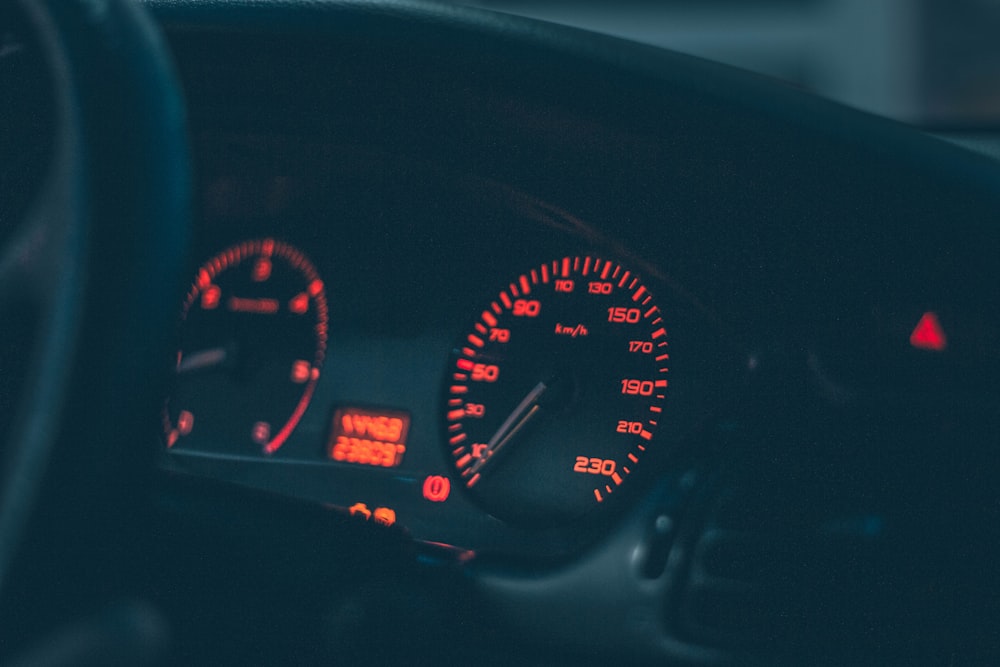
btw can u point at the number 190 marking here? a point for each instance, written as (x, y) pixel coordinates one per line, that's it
(637, 387)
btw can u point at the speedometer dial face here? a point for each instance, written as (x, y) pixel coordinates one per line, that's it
(253, 340)
(553, 397)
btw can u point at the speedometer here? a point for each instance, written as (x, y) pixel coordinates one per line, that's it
(554, 395)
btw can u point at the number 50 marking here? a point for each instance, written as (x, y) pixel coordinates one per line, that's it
(485, 373)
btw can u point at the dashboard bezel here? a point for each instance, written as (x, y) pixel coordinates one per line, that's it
(809, 236)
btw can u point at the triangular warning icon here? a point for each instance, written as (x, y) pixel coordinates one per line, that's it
(928, 334)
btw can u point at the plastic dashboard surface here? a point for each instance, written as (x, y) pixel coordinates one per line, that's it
(425, 161)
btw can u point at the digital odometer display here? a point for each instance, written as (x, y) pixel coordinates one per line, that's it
(552, 398)
(368, 437)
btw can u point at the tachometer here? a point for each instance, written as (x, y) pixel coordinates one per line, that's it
(554, 396)
(253, 340)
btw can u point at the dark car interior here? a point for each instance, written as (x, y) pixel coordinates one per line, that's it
(394, 332)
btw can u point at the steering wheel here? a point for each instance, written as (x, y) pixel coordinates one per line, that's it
(91, 238)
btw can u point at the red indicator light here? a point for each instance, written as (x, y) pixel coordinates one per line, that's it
(928, 334)
(437, 488)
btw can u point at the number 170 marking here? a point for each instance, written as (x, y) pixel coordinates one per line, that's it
(643, 346)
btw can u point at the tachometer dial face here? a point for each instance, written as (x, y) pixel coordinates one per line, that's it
(553, 397)
(253, 340)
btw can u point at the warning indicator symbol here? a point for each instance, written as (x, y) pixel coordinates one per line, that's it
(928, 334)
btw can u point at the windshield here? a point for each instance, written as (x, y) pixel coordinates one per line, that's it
(931, 63)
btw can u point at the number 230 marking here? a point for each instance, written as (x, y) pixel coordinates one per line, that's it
(594, 466)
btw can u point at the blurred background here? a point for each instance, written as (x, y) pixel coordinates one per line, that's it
(931, 63)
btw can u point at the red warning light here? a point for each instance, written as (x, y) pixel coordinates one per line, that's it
(928, 334)
(437, 488)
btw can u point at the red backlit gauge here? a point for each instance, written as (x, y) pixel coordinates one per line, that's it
(554, 395)
(253, 340)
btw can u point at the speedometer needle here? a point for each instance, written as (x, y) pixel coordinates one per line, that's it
(522, 414)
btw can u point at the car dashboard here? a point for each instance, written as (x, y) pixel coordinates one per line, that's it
(525, 343)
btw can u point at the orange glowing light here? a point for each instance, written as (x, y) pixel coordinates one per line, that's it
(384, 516)
(360, 509)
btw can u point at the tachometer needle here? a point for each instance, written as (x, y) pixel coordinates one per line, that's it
(196, 361)
(522, 414)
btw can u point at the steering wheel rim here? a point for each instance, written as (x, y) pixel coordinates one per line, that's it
(98, 255)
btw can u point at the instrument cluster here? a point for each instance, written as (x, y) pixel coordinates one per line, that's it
(419, 349)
